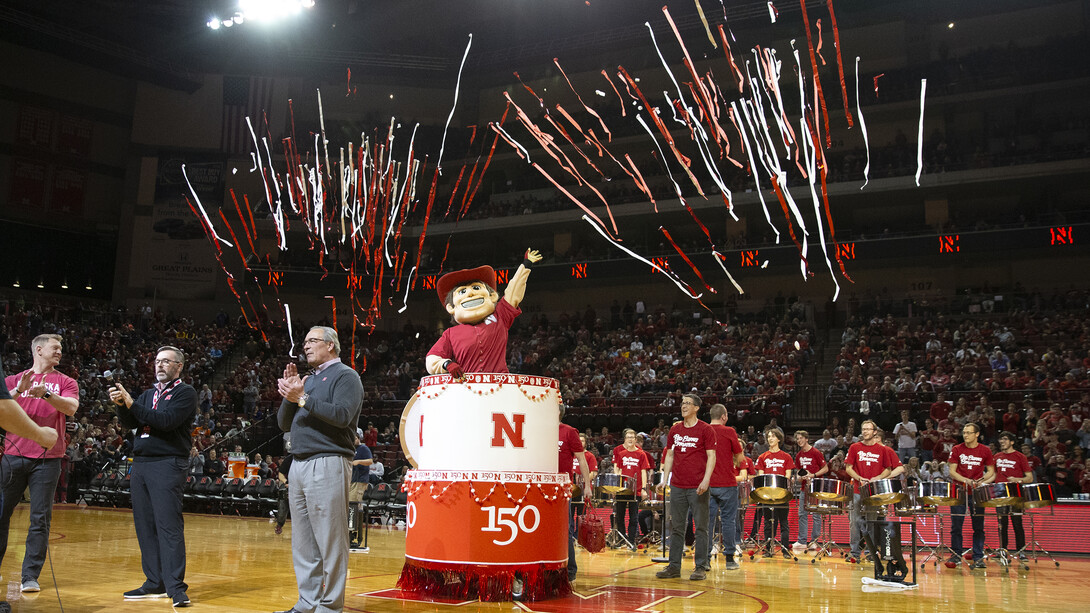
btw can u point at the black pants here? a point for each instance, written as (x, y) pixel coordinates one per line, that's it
(1002, 514)
(622, 503)
(157, 513)
(776, 514)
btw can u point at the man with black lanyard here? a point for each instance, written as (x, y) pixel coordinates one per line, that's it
(161, 417)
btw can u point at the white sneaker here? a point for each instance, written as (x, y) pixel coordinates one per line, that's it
(715, 549)
(798, 545)
(812, 546)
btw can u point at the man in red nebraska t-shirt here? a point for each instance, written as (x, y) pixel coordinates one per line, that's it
(690, 460)
(813, 462)
(775, 461)
(48, 396)
(630, 461)
(868, 460)
(971, 464)
(1011, 467)
(723, 494)
(570, 453)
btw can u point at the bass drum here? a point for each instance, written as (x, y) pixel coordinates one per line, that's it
(882, 492)
(997, 494)
(1037, 495)
(830, 489)
(771, 489)
(941, 493)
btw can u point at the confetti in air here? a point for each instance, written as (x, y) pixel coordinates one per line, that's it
(919, 136)
(720, 122)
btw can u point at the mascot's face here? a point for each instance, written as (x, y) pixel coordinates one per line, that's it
(472, 303)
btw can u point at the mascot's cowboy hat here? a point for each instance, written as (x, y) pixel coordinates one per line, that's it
(451, 280)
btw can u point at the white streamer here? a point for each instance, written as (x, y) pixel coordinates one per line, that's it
(919, 136)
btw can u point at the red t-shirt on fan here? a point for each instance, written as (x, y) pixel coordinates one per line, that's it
(868, 461)
(569, 445)
(726, 447)
(631, 463)
(1012, 464)
(690, 447)
(775, 463)
(810, 461)
(970, 463)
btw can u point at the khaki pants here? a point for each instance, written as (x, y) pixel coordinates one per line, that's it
(356, 491)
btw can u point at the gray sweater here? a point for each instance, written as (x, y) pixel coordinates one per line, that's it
(327, 424)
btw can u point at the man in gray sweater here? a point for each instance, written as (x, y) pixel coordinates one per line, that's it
(320, 410)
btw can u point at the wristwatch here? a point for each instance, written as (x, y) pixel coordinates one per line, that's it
(303, 400)
(48, 394)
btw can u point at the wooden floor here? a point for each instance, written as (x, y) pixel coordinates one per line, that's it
(240, 565)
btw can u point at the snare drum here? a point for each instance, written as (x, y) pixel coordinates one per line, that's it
(997, 494)
(911, 506)
(829, 489)
(941, 493)
(1037, 495)
(882, 492)
(771, 489)
(616, 484)
(744, 489)
(825, 506)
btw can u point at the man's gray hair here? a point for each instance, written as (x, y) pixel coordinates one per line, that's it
(329, 335)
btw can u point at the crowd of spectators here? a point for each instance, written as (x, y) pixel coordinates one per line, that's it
(1026, 372)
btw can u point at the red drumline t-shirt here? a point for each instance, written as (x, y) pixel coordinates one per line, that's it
(775, 463)
(1012, 464)
(690, 447)
(631, 463)
(970, 463)
(568, 446)
(868, 461)
(810, 461)
(592, 462)
(726, 447)
(747, 465)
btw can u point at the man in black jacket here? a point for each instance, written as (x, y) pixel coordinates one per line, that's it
(161, 416)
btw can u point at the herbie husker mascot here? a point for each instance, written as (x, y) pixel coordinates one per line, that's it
(478, 341)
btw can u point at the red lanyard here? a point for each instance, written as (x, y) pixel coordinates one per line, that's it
(159, 393)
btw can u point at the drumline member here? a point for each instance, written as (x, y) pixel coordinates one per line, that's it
(630, 461)
(577, 508)
(690, 460)
(1013, 467)
(867, 460)
(570, 454)
(745, 474)
(813, 462)
(723, 495)
(776, 462)
(971, 464)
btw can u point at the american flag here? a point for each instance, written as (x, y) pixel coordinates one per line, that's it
(244, 97)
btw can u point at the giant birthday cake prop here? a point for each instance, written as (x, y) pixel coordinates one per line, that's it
(486, 509)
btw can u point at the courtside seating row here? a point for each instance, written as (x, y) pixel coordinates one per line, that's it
(384, 502)
(226, 496)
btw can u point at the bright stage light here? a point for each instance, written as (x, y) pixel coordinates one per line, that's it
(265, 11)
